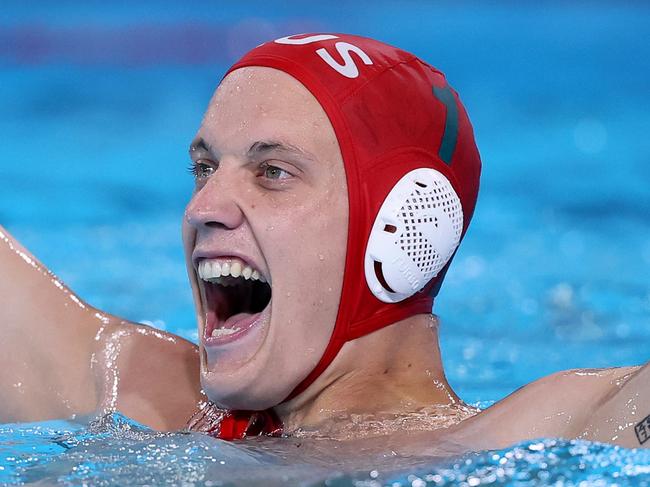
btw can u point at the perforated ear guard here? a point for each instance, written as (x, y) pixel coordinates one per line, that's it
(416, 231)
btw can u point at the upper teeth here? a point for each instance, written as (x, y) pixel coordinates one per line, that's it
(212, 270)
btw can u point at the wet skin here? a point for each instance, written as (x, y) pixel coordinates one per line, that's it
(265, 190)
(285, 212)
(62, 358)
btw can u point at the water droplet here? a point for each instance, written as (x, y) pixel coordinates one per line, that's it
(321, 257)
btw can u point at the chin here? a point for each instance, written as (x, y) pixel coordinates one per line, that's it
(243, 396)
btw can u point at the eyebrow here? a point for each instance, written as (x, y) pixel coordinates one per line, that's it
(199, 144)
(262, 147)
(259, 148)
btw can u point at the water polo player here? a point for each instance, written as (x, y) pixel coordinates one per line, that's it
(335, 178)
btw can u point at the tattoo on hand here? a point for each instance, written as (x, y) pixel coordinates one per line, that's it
(642, 430)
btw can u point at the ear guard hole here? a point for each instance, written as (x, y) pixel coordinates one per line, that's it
(421, 185)
(380, 277)
(390, 228)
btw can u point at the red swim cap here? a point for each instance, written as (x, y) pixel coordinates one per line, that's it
(392, 114)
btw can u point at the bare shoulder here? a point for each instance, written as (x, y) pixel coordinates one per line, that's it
(61, 357)
(148, 374)
(559, 405)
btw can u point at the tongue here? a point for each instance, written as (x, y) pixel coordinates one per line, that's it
(238, 321)
(229, 308)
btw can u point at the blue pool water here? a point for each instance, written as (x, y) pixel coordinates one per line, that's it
(118, 451)
(98, 105)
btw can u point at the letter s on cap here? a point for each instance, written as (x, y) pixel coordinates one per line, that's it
(348, 69)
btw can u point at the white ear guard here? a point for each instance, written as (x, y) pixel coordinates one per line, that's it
(416, 232)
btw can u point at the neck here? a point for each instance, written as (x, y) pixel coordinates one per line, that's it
(399, 367)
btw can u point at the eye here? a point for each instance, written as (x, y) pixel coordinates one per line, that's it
(270, 171)
(201, 169)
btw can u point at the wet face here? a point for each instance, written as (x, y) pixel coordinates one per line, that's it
(265, 237)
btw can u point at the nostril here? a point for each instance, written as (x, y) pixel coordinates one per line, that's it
(211, 207)
(217, 225)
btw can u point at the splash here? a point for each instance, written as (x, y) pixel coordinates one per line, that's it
(354, 426)
(114, 450)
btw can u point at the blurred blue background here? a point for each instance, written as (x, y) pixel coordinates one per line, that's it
(99, 100)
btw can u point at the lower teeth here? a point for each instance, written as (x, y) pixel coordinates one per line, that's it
(224, 331)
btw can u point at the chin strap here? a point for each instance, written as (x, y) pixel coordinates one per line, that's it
(235, 425)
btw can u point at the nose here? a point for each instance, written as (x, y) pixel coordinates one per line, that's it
(214, 205)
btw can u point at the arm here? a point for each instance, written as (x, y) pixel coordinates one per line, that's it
(60, 357)
(560, 405)
(623, 416)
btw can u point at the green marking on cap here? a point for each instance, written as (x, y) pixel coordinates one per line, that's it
(450, 136)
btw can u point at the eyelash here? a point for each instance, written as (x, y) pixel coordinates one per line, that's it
(196, 167)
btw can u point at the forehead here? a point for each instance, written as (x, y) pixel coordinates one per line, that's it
(259, 103)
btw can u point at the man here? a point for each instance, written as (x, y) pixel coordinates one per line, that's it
(335, 177)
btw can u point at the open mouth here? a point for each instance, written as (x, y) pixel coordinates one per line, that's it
(234, 295)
